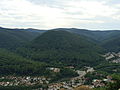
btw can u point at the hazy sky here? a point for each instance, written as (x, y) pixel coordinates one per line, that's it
(47, 14)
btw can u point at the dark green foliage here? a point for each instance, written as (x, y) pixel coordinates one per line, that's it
(112, 44)
(63, 74)
(109, 67)
(12, 38)
(116, 84)
(96, 36)
(63, 47)
(110, 39)
(68, 73)
(11, 63)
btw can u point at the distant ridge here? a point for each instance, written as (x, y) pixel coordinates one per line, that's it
(11, 38)
(16, 36)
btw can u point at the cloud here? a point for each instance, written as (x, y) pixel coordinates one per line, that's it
(46, 14)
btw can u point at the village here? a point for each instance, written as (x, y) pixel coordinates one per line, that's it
(69, 84)
(112, 57)
(25, 80)
(79, 81)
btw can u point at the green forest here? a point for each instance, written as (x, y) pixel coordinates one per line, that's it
(31, 52)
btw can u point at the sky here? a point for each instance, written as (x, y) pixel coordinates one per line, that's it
(48, 14)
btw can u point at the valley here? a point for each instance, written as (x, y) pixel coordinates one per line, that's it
(59, 59)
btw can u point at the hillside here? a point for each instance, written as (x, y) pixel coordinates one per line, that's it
(98, 35)
(112, 44)
(63, 48)
(13, 64)
(61, 40)
(109, 40)
(11, 38)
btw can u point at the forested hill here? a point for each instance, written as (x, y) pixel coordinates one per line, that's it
(109, 39)
(112, 44)
(98, 35)
(11, 38)
(62, 47)
(62, 40)
(58, 47)
(11, 63)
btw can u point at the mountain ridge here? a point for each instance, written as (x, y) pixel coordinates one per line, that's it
(19, 36)
(62, 47)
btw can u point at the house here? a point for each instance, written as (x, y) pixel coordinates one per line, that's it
(54, 69)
